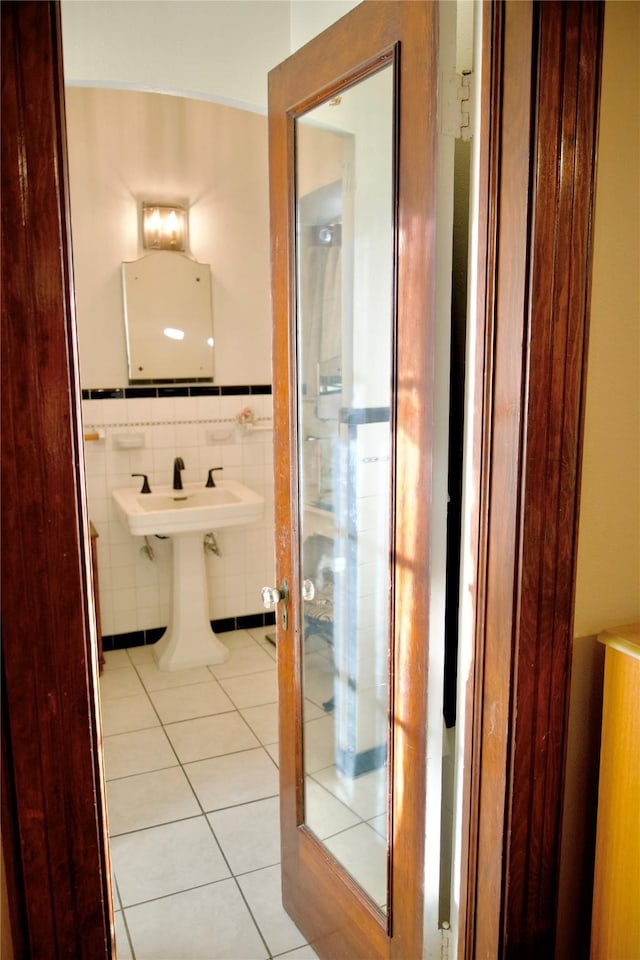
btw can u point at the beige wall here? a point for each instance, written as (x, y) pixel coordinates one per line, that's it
(218, 49)
(126, 146)
(608, 580)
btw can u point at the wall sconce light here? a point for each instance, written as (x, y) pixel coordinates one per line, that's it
(164, 227)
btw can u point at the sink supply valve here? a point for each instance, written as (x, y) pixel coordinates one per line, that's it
(272, 595)
(145, 482)
(146, 552)
(210, 481)
(211, 544)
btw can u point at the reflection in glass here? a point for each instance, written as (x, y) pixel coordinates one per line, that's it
(345, 310)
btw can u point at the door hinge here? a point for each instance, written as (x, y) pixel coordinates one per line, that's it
(456, 105)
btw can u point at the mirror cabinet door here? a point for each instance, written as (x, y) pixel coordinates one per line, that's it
(168, 318)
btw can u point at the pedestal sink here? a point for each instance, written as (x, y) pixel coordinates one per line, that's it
(185, 516)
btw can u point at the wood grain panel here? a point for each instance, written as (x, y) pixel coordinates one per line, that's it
(567, 80)
(54, 803)
(543, 109)
(503, 338)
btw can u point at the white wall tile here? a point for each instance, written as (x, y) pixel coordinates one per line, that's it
(141, 461)
(122, 577)
(124, 599)
(231, 455)
(93, 412)
(163, 409)
(184, 408)
(135, 592)
(139, 409)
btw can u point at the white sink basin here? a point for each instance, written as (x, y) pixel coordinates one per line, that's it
(196, 509)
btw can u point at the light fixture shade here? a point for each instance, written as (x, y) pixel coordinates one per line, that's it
(164, 227)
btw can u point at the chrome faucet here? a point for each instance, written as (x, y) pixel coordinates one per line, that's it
(178, 465)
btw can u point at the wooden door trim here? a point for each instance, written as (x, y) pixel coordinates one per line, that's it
(567, 67)
(527, 459)
(53, 825)
(52, 800)
(347, 924)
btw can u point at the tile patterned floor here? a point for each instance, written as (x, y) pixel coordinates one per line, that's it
(192, 790)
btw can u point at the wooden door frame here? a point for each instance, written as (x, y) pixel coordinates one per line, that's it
(544, 59)
(53, 811)
(539, 160)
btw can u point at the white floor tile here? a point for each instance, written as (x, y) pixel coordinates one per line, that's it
(319, 749)
(185, 703)
(155, 679)
(363, 853)
(249, 834)
(141, 654)
(116, 659)
(123, 949)
(365, 795)
(301, 953)
(127, 714)
(242, 661)
(254, 689)
(263, 720)
(117, 905)
(123, 682)
(259, 633)
(312, 711)
(166, 859)
(209, 923)
(210, 736)
(324, 813)
(234, 639)
(235, 778)
(169, 872)
(263, 894)
(379, 824)
(270, 649)
(139, 752)
(314, 643)
(149, 799)
(319, 676)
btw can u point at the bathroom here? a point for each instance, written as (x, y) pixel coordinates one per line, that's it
(211, 157)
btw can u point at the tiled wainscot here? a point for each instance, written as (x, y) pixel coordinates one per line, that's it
(200, 425)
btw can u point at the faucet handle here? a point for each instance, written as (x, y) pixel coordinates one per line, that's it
(145, 483)
(210, 481)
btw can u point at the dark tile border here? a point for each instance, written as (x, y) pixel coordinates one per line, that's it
(142, 638)
(234, 391)
(175, 390)
(361, 415)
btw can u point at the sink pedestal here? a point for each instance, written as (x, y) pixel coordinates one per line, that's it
(189, 640)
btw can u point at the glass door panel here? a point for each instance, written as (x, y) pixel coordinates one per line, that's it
(345, 201)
